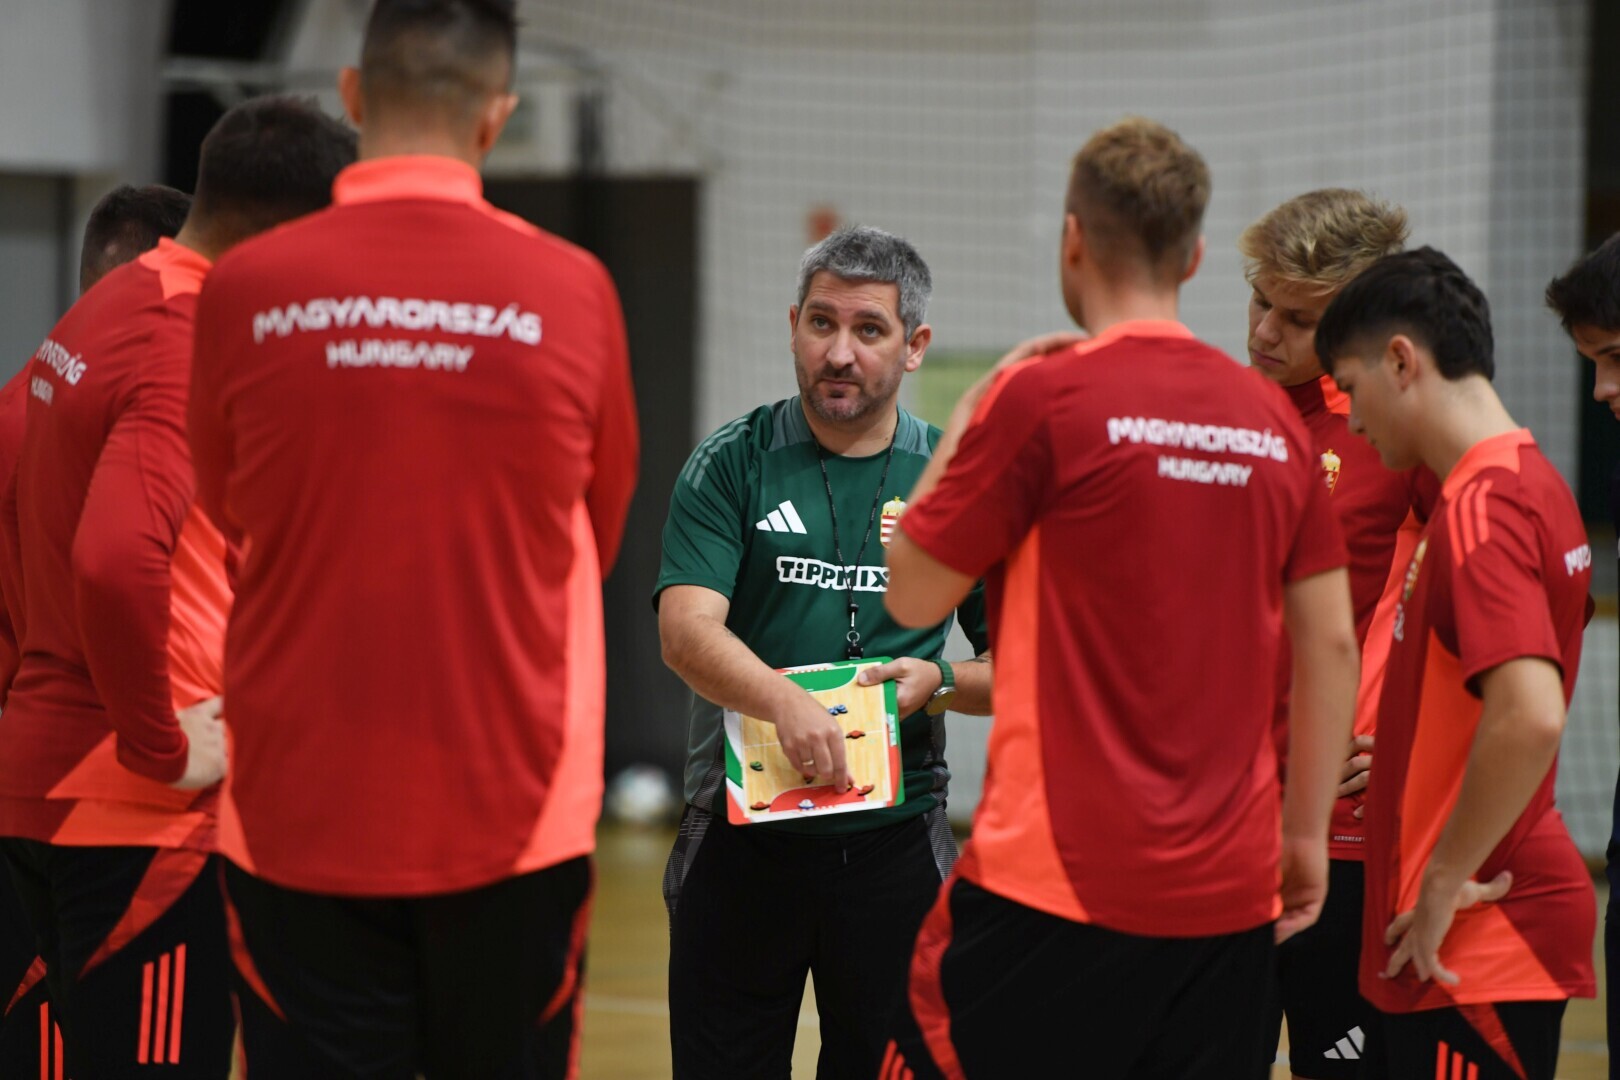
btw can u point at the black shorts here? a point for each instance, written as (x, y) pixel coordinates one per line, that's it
(753, 910)
(133, 943)
(1001, 990)
(479, 984)
(23, 994)
(1515, 1040)
(1317, 985)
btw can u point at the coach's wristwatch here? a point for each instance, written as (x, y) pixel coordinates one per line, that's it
(942, 698)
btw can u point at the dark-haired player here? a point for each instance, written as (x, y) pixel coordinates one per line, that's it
(1479, 912)
(417, 412)
(114, 749)
(125, 223)
(1587, 300)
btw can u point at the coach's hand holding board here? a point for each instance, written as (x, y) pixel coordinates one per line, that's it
(915, 681)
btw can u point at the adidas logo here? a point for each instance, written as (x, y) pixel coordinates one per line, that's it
(783, 519)
(1349, 1047)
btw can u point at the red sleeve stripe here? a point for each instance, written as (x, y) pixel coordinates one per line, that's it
(1467, 519)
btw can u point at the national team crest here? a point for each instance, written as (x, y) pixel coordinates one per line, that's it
(1412, 569)
(1331, 464)
(891, 514)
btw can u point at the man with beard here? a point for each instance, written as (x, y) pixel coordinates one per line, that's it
(773, 557)
(417, 412)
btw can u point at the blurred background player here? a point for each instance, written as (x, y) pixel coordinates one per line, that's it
(126, 222)
(118, 584)
(838, 896)
(1118, 903)
(1297, 258)
(1587, 300)
(1479, 911)
(417, 412)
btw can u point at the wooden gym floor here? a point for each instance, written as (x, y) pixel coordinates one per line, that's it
(627, 1025)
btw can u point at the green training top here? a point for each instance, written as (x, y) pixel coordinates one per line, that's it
(749, 519)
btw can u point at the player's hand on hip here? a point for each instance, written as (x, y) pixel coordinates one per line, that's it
(1304, 885)
(205, 744)
(914, 681)
(1357, 766)
(814, 743)
(1418, 934)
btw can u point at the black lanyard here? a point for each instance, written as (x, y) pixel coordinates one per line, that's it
(853, 650)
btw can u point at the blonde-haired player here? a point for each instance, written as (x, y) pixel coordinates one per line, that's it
(1297, 258)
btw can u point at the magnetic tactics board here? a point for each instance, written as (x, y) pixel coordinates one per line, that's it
(763, 785)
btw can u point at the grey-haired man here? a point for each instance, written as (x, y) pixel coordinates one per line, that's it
(773, 557)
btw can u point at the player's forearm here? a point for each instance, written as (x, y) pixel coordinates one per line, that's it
(921, 591)
(719, 667)
(1327, 672)
(974, 683)
(1326, 675)
(123, 609)
(1514, 746)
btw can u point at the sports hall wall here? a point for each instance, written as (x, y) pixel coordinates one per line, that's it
(79, 84)
(952, 122)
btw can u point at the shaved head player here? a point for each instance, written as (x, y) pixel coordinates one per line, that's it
(427, 507)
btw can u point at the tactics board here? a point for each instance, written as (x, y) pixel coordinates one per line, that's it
(763, 785)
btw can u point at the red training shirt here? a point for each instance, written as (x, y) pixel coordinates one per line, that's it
(1501, 572)
(13, 421)
(1380, 513)
(415, 411)
(1138, 503)
(121, 581)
